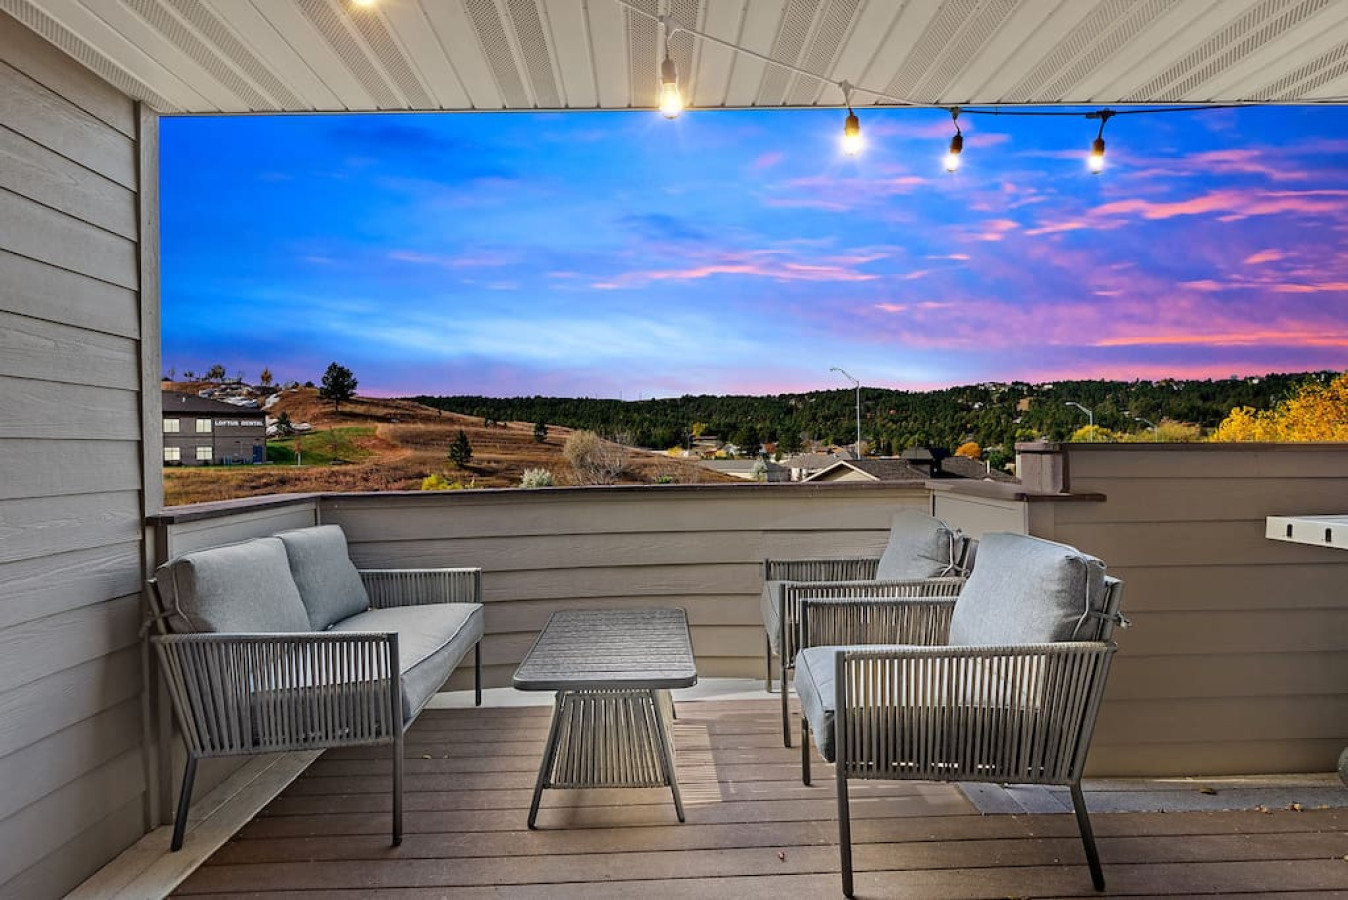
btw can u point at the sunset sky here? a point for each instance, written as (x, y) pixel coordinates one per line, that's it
(620, 254)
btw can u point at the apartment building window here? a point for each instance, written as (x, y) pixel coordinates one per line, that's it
(203, 426)
(204, 453)
(171, 426)
(173, 454)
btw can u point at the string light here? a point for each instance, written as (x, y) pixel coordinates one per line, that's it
(1096, 161)
(952, 157)
(671, 101)
(851, 141)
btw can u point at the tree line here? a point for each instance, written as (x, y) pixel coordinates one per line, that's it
(993, 415)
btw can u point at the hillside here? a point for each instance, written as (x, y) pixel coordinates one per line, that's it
(374, 444)
(992, 414)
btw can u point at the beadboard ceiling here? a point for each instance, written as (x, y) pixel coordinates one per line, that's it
(235, 56)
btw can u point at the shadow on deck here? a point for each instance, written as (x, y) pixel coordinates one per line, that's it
(753, 829)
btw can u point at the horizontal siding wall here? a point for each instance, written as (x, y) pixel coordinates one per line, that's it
(698, 548)
(72, 766)
(1238, 658)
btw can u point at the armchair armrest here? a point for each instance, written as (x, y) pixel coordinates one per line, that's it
(260, 693)
(851, 568)
(1020, 713)
(948, 586)
(418, 587)
(876, 620)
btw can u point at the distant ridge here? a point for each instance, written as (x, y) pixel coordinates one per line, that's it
(992, 414)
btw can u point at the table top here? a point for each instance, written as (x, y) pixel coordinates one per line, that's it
(597, 649)
(1319, 531)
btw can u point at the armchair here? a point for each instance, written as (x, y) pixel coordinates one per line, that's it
(923, 558)
(1000, 685)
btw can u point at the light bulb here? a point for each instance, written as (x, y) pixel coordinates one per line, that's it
(952, 159)
(365, 3)
(1096, 161)
(671, 101)
(851, 142)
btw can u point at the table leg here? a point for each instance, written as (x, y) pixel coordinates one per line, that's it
(549, 755)
(666, 753)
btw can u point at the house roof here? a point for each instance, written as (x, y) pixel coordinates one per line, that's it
(175, 402)
(892, 469)
(211, 56)
(875, 469)
(964, 467)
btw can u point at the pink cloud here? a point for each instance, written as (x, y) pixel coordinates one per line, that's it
(768, 160)
(754, 264)
(1291, 288)
(996, 229)
(471, 260)
(1264, 256)
(1233, 339)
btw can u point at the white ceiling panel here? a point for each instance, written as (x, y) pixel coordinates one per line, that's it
(241, 56)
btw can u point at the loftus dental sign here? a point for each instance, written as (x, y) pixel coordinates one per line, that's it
(238, 423)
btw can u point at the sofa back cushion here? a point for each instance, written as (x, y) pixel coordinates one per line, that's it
(920, 546)
(329, 585)
(236, 588)
(1025, 590)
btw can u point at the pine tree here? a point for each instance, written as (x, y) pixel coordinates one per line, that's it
(540, 432)
(338, 385)
(460, 452)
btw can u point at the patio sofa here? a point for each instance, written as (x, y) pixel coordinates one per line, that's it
(279, 643)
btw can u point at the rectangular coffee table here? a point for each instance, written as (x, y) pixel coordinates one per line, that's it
(612, 670)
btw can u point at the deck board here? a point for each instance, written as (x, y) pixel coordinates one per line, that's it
(753, 829)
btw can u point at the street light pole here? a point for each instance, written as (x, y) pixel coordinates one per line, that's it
(1155, 432)
(856, 451)
(1090, 416)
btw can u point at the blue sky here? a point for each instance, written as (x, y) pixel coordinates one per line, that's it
(620, 254)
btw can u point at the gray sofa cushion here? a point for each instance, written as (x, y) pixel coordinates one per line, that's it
(1025, 590)
(920, 546)
(431, 641)
(236, 588)
(329, 585)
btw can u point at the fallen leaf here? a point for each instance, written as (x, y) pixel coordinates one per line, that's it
(425, 756)
(1294, 807)
(1207, 790)
(1263, 809)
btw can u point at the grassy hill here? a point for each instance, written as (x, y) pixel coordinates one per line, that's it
(372, 444)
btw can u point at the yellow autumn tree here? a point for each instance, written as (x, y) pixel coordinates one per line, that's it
(969, 449)
(1093, 433)
(1316, 412)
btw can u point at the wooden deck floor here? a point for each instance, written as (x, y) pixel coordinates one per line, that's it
(753, 830)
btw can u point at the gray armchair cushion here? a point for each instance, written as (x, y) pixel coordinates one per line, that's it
(816, 673)
(236, 588)
(431, 641)
(770, 605)
(974, 696)
(1025, 590)
(329, 585)
(920, 546)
